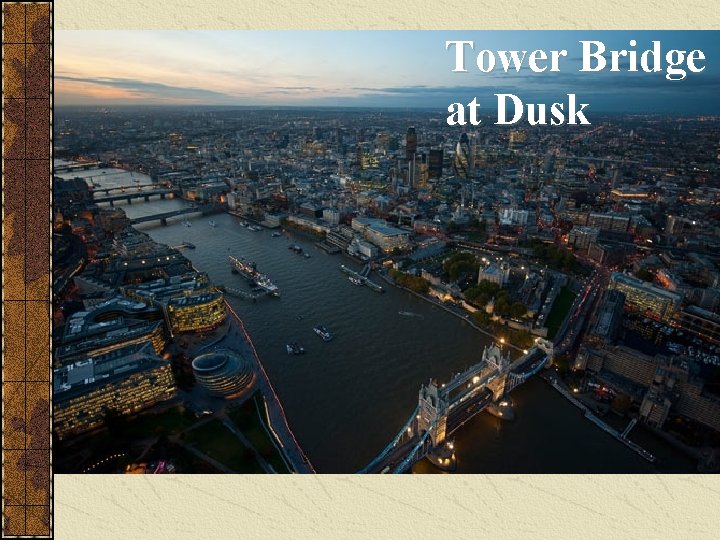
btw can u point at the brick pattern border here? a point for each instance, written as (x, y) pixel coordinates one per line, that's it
(26, 276)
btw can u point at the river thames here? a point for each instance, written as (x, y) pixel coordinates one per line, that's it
(347, 398)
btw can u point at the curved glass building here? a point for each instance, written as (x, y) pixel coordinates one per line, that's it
(461, 160)
(223, 373)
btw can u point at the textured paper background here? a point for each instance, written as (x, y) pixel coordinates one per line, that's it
(26, 269)
(468, 506)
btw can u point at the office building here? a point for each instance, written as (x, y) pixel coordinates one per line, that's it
(124, 380)
(223, 373)
(646, 298)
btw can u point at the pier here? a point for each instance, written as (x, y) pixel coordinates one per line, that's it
(246, 295)
(602, 425)
(362, 277)
(328, 248)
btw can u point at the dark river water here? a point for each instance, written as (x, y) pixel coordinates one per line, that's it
(346, 399)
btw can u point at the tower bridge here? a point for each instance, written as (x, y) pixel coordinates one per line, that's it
(444, 408)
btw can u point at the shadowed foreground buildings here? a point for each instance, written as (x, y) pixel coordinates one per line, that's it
(108, 326)
(660, 385)
(125, 380)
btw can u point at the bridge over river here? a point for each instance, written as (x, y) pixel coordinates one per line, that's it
(157, 191)
(442, 409)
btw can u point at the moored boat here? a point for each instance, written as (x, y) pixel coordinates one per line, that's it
(323, 332)
(295, 348)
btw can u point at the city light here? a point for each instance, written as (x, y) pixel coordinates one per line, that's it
(610, 300)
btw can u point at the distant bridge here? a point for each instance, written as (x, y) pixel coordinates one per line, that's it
(107, 190)
(441, 410)
(158, 192)
(163, 217)
(205, 209)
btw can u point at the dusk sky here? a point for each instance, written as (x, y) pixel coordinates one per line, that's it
(364, 68)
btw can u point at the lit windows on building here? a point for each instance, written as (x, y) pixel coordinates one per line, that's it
(125, 381)
(646, 298)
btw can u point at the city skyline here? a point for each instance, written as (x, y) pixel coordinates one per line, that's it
(363, 69)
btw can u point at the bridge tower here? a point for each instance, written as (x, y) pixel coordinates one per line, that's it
(546, 346)
(432, 414)
(494, 359)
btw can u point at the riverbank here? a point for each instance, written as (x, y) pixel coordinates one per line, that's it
(463, 316)
(277, 421)
(346, 399)
(599, 423)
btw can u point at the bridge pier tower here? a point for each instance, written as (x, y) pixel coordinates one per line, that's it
(433, 413)
(147, 198)
(163, 222)
(129, 200)
(112, 203)
(497, 386)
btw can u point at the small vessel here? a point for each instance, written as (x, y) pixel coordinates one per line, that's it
(295, 348)
(306, 255)
(265, 284)
(323, 332)
(355, 281)
(297, 249)
(187, 223)
(188, 245)
(276, 235)
(409, 314)
(254, 228)
(212, 223)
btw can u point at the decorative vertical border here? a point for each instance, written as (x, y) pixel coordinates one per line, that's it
(26, 275)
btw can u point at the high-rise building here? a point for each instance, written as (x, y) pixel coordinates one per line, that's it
(435, 163)
(461, 160)
(410, 144)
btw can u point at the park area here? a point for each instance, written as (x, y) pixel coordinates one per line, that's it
(561, 306)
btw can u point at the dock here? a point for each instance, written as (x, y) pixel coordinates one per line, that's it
(602, 425)
(246, 295)
(328, 248)
(362, 278)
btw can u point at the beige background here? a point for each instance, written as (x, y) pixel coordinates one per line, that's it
(459, 506)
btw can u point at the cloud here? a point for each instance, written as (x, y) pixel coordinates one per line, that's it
(150, 90)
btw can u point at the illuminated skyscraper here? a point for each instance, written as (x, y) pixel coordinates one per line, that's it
(461, 160)
(410, 144)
